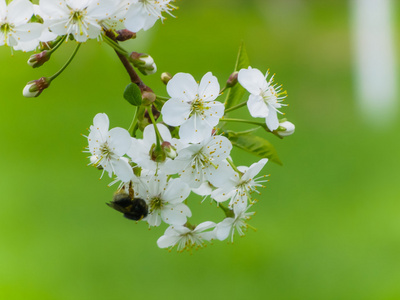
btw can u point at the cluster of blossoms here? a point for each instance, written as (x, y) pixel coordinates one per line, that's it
(162, 171)
(24, 25)
(176, 146)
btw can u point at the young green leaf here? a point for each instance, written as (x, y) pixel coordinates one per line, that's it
(133, 95)
(253, 144)
(235, 94)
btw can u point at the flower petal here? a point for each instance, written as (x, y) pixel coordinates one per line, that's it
(119, 140)
(183, 86)
(209, 87)
(252, 80)
(257, 107)
(175, 112)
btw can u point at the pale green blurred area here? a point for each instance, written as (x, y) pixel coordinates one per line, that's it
(328, 222)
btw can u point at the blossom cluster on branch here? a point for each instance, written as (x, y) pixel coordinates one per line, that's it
(178, 146)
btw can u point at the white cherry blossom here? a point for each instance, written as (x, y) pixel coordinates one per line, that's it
(265, 97)
(185, 237)
(164, 199)
(108, 146)
(228, 226)
(140, 150)
(14, 26)
(192, 106)
(238, 187)
(198, 163)
(81, 18)
(143, 14)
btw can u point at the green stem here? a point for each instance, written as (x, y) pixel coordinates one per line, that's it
(235, 107)
(162, 98)
(263, 125)
(245, 121)
(131, 129)
(116, 46)
(158, 135)
(66, 64)
(62, 39)
(223, 90)
(233, 166)
(228, 212)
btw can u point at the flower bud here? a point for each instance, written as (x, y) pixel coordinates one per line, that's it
(148, 98)
(35, 88)
(157, 154)
(37, 60)
(233, 79)
(285, 128)
(165, 77)
(124, 35)
(144, 63)
(169, 150)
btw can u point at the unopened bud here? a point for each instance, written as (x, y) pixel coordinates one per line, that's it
(124, 35)
(37, 60)
(35, 88)
(169, 150)
(148, 98)
(233, 79)
(144, 63)
(165, 77)
(286, 128)
(157, 154)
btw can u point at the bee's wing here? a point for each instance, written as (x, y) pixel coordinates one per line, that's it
(116, 207)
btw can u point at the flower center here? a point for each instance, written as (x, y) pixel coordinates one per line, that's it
(6, 28)
(156, 203)
(269, 96)
(198, 107)
(105, 150)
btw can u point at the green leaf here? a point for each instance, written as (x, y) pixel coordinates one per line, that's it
(133, 95)
(253, 144)
(236, 93)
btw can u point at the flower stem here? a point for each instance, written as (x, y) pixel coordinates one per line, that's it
(263, 125)
(228, 212)
(235, 107)
(162, 98)
(66, 64)
(132, 127)
(61, 40)
(158, 135)
(125, 60)
(233, 166)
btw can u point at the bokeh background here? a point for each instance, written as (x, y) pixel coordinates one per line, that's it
(328, 222)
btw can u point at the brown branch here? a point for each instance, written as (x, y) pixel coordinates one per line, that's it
(129, 68)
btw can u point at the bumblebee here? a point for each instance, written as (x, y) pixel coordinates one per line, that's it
(132, 208)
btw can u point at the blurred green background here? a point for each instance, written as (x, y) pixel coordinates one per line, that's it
(328, 222)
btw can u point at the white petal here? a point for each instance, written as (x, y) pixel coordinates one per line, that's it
(122, 169)
(204, 226)
(224, 228)
(209, 87)
(20, 12)
(252, 80)
(272, 120)
(183, 86)
(195, 130)
(254, 169)
(119, 140)
(135, 17)
(101, 122)
(167, 241)
(176, 191)
(257, 107)
(175, 112)
(176, 215)
(54, 9)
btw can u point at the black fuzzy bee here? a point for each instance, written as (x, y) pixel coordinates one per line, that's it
(132, 208)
